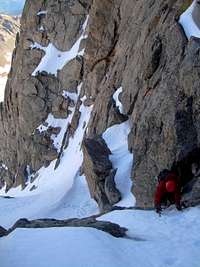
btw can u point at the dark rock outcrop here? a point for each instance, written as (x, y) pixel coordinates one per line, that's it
(3, 232)
(99, 173)
(108, 227)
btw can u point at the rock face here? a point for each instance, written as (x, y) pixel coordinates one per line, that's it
(138, 45)
(29, 99)
(155, 65)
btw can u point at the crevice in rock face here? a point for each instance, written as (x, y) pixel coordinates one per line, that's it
(155, 58)
(132, 106)
(185, 129)
(185, 40)
(85, 4)
(111, 53)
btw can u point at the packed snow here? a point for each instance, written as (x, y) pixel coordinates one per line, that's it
(189, 26)
(41, 29)
(55, 59)
(42, 12)
(152, 241)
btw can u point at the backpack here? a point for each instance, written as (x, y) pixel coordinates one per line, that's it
(163, 175)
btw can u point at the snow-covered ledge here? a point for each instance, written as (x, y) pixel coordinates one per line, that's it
(190, 20)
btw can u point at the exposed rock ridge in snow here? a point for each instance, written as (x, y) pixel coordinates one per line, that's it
(90, 222)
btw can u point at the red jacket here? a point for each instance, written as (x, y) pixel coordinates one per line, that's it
(161, 193)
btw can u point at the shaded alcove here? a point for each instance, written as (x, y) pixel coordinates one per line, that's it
(188, 167)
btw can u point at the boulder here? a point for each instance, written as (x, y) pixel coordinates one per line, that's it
(99, 172)
(111, 191)
(73, 69)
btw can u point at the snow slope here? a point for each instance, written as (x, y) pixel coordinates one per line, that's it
(170, 240)
(53, 186)
(116, 138)
(63, 193)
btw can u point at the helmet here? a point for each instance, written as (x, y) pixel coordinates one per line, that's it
(170, 186)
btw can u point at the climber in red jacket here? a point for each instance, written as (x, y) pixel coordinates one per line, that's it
(168, 189)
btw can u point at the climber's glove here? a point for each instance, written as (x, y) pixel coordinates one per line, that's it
(179, 207)
(158, 209)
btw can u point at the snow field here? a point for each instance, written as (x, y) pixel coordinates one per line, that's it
(152, 241)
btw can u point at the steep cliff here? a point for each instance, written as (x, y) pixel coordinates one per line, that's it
(134, 48)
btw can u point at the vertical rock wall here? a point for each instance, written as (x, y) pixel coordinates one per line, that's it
(157, 68)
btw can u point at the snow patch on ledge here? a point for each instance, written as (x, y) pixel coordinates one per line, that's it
(60, 123)
(55, 59)
(73, 96)
(188, 24)
(42, 12)
(117, 101)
